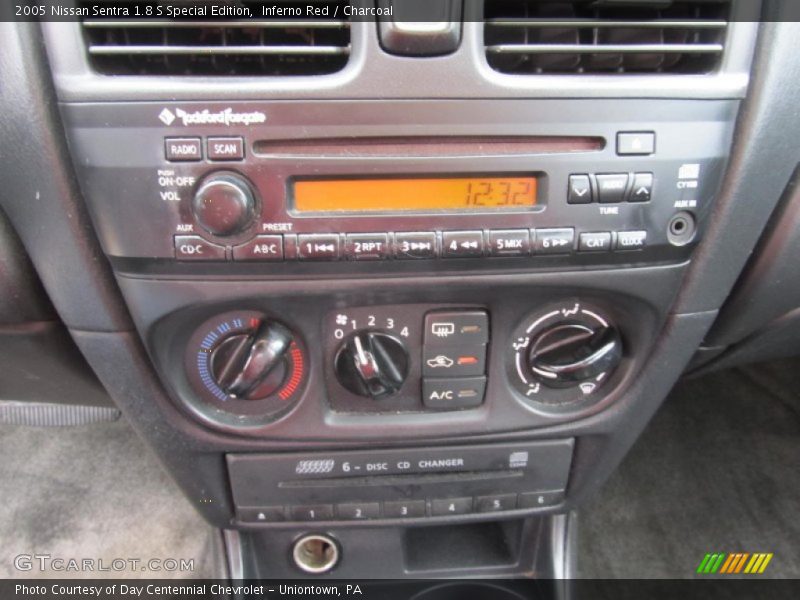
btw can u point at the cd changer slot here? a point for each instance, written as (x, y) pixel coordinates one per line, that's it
(425, 478)
(423, 147)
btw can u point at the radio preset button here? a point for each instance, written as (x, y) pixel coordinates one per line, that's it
(580, 190)
(450, 506)
(403, 509)
(357, 511)
(193, 247)
(511, 242)
(261, 247)
(462, 244)
(453, 392)
(630, 240)
(553, 241)
(497, 503)
(183, 149)
(599, 241)
(225, 148)
(415, 245)
(642, 189)
(318, 247)
(367, 246)
(611, 187)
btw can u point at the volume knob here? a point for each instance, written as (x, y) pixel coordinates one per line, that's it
(224, 204)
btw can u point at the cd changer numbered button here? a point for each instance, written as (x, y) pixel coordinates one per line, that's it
(403, 509)
(441, 507)
(318, 247)
(453, 392)
(357, 511)
(318, 512)
(497, 503)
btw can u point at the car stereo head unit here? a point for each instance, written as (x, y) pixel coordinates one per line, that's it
(310, 183)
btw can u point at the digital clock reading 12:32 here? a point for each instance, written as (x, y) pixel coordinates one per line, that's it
(414, 194)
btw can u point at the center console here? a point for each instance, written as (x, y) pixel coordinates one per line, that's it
(393, 332)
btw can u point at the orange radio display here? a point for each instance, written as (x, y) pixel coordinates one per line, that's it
(415, 194)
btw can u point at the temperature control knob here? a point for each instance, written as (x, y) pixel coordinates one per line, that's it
(568, 353)
(224, 204)
(372, 364)
(251, 365)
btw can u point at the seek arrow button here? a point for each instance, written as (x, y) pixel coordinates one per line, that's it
(642, 189)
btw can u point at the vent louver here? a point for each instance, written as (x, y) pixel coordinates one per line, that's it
(527, 37)
(218, 47)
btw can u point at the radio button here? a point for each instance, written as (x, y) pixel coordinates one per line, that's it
(611, 187)
(630, 240)
(225, 148)
(415, 245)
(580, 190)
(513, 242)
(193, 247)
(367, 246)
(262, 247)
(450, 506)
(318, 247)
(462, 244)
(642, 189)
(453, 392)
(497, 503)
(553, 241)
(320, 512)
(595, 242)
(404, 509)
(183, 149)
(357, 511)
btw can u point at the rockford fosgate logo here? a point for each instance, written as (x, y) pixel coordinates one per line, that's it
(207, 117)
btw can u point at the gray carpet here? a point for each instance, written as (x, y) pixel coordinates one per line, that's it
(717, 470)
(96, 492)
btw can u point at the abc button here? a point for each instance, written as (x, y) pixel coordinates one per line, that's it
(260, 248)
(193, 247)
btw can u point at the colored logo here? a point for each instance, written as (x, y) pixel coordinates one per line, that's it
(736, 562)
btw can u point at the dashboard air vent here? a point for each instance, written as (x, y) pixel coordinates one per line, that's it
(160, 46)
(527, 37)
